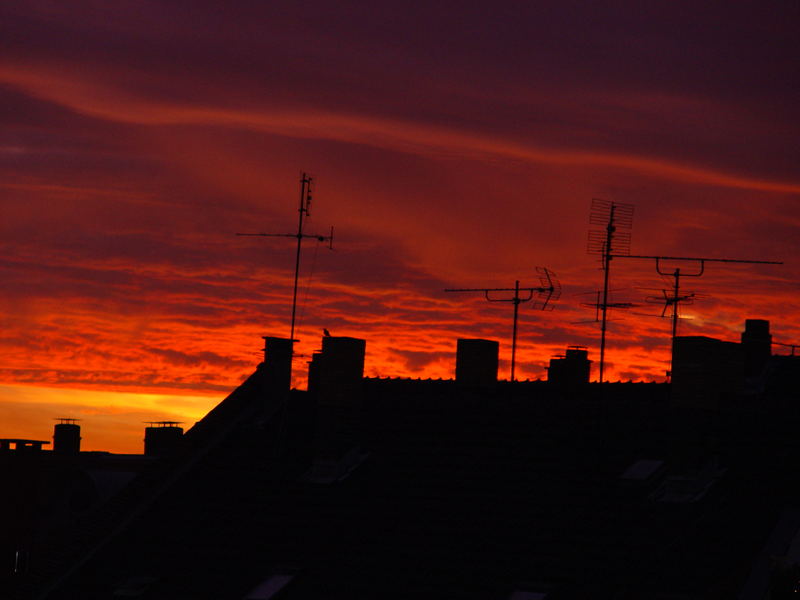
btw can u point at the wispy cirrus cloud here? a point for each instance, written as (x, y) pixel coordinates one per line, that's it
(112, 104)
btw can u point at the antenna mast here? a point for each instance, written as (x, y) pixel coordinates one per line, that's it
(304, 211)
(676, 298)
(609, 243)
(548, 290)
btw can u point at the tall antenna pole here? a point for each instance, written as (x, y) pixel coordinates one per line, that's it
(516, 300)
(304, 211)
(548, 291)
(676, 302)
(609, 243)
(610, 228)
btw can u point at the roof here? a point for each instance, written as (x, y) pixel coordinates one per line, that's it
(464, 493)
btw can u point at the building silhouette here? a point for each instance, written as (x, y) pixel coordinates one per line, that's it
(468, 488)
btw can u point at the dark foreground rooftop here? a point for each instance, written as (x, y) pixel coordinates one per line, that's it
(442, 490)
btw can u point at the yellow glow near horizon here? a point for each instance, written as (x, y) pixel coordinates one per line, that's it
(110, 420)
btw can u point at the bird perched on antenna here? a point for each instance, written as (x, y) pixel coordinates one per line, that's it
(326, 333)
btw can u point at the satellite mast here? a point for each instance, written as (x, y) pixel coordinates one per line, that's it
(304, 211)
(548, 290)
(609, 243)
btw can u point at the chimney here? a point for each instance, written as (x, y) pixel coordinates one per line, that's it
(571, 369)
(335, 378)
(756, 346)
(277, 364)
(67, 437)
(162, 438)
(476, 362)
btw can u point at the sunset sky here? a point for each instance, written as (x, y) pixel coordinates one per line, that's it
(453, 144)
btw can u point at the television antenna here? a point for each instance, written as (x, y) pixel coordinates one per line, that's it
(610, 243)
(675, 298)
(548, 291)
(304, 210)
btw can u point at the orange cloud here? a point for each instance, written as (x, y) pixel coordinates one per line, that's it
(128, 169)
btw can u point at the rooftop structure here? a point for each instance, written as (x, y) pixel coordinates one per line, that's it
(571, 368)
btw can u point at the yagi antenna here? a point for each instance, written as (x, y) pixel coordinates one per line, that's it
(668, 299)
(547, 293)
(304, 211)
(609, 242)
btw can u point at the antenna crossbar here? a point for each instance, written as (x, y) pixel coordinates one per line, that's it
(304, 211)
(700, 259)
(548, 292)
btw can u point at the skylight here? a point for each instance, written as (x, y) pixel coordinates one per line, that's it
(328, 471)
(134, 587)
(270, 586)
(642, 470)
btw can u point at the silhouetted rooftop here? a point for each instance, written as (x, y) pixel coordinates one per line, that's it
(464, 493)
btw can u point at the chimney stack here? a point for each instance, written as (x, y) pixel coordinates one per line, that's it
(67, 437)
(335, 377)
(162, 438)
(756, 345)
(571, 369)
(476, 362)
(277, 364)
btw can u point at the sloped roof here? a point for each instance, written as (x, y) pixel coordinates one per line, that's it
(465, 494)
